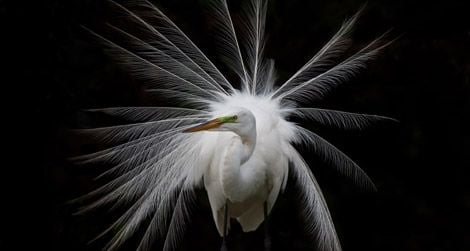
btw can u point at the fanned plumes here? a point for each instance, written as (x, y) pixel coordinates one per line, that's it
(318, 220)
(154, 167)
(148, 113)
(154, 74)
(169, 39)
(319, 86)
(323, 59)
(339, 119)
(254, 43)
(174, 203)
(229, 46)
(336, 158)
(133, 179)
(140, 131)
(179, 219)
(184, 99)
(166, 61)
(150, 185)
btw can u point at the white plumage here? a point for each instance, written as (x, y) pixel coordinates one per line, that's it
(246, 161)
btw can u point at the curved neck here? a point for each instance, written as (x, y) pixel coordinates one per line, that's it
(249, 143)
(237, 183)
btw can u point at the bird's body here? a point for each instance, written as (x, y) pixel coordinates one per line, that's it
(244, 150)
(244, 187)
(247, 168)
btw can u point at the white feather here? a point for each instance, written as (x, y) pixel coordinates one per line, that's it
(339, 119)
(167, 37)
(324, 57)
(318, 220)
(254, 21)
(155, 167)
(229, 47)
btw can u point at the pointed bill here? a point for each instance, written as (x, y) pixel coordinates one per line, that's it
(205, 126)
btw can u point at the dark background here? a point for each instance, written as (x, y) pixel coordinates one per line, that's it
(52, 70)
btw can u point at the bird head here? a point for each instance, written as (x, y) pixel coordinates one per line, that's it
(237, 121)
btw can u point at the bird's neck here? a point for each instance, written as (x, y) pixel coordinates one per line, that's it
(237, 182)
(249, 143)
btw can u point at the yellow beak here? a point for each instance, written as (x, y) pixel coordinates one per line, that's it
(205, 126)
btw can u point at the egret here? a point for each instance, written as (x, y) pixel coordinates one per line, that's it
(236, 140)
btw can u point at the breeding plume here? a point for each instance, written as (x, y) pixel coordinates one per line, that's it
(234, 138)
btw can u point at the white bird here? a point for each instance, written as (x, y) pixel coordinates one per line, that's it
(238, 143)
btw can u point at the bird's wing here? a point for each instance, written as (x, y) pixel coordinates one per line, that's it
(279, 178)
(211, 173)
(254, 216)
(276, 176)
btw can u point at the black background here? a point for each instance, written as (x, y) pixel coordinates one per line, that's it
(53, 70)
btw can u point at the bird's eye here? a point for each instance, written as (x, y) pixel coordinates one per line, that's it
(235, 117)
